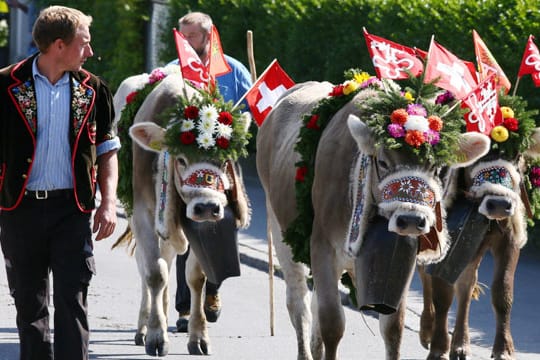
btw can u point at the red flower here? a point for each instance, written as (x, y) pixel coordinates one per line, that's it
(435, 123)
(414, 138)
(511, 124)
(301, 173)
(131, 97)
(399, 116)
(312, 123)
(191, 112)
(225, 117)
(337, 90)
(222, 142)
(187, 137)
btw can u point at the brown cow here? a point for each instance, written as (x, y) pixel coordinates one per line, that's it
(493, 187)
(344, 145)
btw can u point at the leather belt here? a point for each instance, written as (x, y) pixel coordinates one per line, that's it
(47, 194)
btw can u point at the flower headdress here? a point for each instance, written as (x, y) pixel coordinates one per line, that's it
(416, 121)
(205, 126)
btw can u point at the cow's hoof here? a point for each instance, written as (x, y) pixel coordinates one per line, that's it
(212, 307)
(160, 349)
(182, 323)
(198, 348)
(139, 339)
(458, 355)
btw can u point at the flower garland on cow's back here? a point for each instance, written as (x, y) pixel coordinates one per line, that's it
(134, 101)
(400, 119)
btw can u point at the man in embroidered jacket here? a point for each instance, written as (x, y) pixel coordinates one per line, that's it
(57, 144)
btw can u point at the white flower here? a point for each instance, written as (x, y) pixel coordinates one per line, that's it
(209, 112)
(206, 125)
(224, 131)
(417, 122)
(187, 125)
(205, 140)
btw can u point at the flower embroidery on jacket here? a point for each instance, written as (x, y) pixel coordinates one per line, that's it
(26, 97)
(80, 103)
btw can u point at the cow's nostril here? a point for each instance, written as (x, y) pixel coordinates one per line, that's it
(215, 210)
(198, 209)
(421, 224)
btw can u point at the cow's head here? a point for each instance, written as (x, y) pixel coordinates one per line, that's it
(404, 173)
(497, 181)
(205, 178)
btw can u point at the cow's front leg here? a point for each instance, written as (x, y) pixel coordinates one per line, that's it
(506, 255)
(199, 340)
(443, 295)
(330, 318)
(428, 312)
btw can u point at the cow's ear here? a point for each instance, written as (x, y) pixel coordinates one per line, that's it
(472, 146)
(361, 134)
(148, 135)
(534, 150)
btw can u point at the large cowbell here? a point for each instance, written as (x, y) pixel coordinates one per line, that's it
(216, 245)
(384, 267)
(467, 228)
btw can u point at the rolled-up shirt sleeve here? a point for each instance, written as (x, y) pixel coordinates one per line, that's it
(108, 145)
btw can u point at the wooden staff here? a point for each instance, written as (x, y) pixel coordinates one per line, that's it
(251, 59)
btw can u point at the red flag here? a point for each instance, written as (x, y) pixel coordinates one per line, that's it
(217, 64)
(530, 63)
(391, 59)
(455, 74)
(262, 96)
(483, 103)
(487, 64)
(191, 65)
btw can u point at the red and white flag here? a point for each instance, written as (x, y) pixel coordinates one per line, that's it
(488, 65)
(217, 65)
(454, 74)
(391, 60)
(191, 65)
(483, 103)
(263, 95)
(530, 63)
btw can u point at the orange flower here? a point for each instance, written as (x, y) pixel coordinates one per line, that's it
(399, 116)
(435, 123)
(414, 138)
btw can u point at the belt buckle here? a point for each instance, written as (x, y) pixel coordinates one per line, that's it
(41, 194)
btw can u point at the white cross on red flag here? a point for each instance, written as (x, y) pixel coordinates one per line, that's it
(392, 60)
(263, 95)
(530, 63)
(191, 65)
(483, 103)
(455, 75)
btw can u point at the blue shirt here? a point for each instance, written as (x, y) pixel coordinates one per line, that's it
(232, 86)
(51, 168)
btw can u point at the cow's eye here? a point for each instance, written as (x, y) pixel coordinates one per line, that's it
(182, 162)
(382, 164)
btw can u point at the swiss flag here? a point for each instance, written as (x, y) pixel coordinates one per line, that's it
(530, 63)
(454, 74)
(191, 65)
(262, 96)
(487, 64)
(217, 64)
(391, 60)
(483, 103)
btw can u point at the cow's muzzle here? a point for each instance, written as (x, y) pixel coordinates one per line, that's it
(209, 211)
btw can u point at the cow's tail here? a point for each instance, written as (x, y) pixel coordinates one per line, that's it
(126, 239)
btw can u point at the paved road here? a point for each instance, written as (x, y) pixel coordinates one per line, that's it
(243, 330)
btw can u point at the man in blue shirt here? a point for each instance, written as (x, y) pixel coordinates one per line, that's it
(196, 28)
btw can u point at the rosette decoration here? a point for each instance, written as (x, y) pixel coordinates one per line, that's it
(206, 127)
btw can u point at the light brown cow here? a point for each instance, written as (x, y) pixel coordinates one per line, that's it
(168, 192)
(493, 185)
(345, 140)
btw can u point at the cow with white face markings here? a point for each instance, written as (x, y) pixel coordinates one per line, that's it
(490, 204)
(364, 158)
(187, 189)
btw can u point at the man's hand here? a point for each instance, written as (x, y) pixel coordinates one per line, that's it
(105, 220)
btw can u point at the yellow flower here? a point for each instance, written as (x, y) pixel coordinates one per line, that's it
(361, 77)
(499, 133)
(349, 87)
(507, 112)
(408, 96)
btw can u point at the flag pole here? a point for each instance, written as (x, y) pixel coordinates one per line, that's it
(251, 56)
(253, 85)
(516, 86)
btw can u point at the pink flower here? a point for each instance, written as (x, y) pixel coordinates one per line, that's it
(416, 109)
(432, 137)
(156, 75)
(396, 130)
